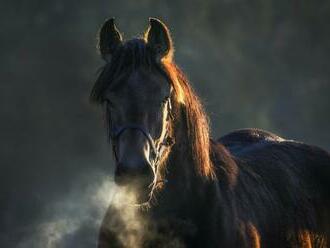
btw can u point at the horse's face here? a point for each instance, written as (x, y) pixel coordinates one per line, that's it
(139, 114)
(138, 105)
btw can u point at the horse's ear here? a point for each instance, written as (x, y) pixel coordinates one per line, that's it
(109, 39)
(158, 37)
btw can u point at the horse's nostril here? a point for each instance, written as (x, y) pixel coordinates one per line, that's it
(123, 169)
(120, 169)
(126, 172)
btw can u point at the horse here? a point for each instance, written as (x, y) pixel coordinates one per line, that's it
(247, 189)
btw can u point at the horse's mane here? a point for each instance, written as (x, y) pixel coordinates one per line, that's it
(135, 53)
(197, 121)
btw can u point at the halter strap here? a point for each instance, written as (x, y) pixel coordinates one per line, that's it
(117, 131)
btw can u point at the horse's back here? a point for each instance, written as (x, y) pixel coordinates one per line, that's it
(263, 150)
(240, 139)
(282, 174)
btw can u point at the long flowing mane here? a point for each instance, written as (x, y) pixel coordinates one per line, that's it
(135, 53)
(197, 121)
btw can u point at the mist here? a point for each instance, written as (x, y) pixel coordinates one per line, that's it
(70, 221)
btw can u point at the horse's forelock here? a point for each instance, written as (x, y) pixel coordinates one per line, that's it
(128, 57)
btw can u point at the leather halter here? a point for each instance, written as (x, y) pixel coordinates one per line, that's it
(116, 132)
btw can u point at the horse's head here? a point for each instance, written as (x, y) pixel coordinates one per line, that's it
(136, 94)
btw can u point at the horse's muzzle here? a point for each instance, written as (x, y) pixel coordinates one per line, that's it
(139, 173)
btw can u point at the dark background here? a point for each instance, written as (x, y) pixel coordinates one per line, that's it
(256, 63)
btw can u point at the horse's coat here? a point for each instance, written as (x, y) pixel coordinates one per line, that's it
(250, 188)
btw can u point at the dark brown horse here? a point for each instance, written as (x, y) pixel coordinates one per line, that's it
(250, 188)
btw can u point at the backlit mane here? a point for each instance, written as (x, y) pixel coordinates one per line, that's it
(197, 121)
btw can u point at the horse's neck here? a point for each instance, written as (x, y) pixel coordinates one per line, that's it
(188, 202)
(184, 185)
(181, 165)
